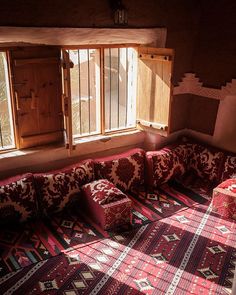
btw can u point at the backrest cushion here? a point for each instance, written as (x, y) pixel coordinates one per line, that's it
(165, 164)
(17, 199)
(57, 188)
(206, 162)
(229, 167)
(125, 170)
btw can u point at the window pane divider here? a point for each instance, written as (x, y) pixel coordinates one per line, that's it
(89, 123)
(126, 92)
(102, 91)
(110, 88)
(118, 89)
(80, 128)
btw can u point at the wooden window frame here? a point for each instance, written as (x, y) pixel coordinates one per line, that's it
(102, 82)
(153, 53)
(70, 144)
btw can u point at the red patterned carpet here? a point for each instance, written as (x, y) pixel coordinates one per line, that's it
(23, 245)
(191, 252)
(174, 246)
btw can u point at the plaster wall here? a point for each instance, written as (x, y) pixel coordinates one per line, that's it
(214, 62)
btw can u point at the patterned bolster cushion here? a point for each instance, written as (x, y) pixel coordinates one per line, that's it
(165, 164)
(229, 167)
(206, 162)
(57, 188)
(106, 204)
(17, 199)
(126, 170)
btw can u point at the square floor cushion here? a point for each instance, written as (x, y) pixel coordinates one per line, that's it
(224, 199)
(106, 204)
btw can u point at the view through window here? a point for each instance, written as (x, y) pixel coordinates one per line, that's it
(6, 125)
(116, 73)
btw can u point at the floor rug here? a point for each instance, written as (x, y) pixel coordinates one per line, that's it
(191, 252)
(23, 245)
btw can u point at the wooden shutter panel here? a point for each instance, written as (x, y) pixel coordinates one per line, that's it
(154, 87)
(36, 87)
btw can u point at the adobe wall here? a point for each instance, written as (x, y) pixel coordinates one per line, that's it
(201, 32)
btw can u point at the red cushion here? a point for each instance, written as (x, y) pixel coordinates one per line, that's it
(103, 192)
(17, 199)
(228, 185)
(229, 167)
(165, 164)
(125, 170)
(206, 162)
(57, 188)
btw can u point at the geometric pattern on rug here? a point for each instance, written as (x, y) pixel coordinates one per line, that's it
(29, 243)
(199, 260)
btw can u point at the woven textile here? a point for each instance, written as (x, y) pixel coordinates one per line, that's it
(192, 252)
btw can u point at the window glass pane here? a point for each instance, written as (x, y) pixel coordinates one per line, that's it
(85, 91)
(6, 126)
(120, 88)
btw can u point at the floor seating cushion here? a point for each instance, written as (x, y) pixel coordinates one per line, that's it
(106, 204)
(176, 160)
(229, 167)
(165, 164)
(125, 170)
(224, 199)
(205, 161)
(59, 187)
(17, 199)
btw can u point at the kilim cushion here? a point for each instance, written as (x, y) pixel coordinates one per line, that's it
(103, 192)
(165, 164)
(17, 199)
(224, 199)
(106, 204)
(206, 162)
(229, 167)
(126, 170)
(57, 188)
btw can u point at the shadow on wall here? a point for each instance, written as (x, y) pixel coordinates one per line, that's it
(225, 128)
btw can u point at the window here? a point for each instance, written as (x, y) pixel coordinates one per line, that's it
(109, 89)
(6, 125)
(103, 90)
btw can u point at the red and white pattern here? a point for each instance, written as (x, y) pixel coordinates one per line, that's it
(206, 162)
(58, 188)
(125, 170)
(224, 199)
(109, 208)
(17, 199)
(165, 164)
(177, 159)
(191, 84)
(102, 191)
(198, 257)
(229, 168)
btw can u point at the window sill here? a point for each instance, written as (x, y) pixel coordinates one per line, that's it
(50, 157)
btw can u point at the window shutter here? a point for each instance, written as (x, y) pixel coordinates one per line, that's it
(154, 87)
(36, 87)
(66, 101)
